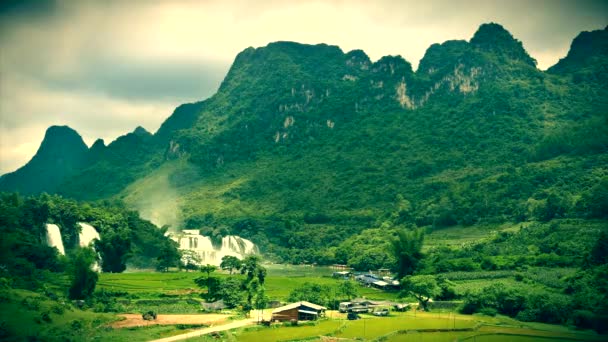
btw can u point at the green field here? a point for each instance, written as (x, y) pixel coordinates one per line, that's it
(411, 327)
(281, 280)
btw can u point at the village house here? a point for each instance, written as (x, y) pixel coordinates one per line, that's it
(299, 311)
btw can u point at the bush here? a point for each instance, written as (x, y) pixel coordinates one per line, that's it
(58, 309)
(488, 311)
(46, 317)
(583, 319)
(31, 303)
(149, 316)
(76, 325)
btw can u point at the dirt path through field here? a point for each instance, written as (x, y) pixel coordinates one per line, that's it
(135, 320)
(204, 331)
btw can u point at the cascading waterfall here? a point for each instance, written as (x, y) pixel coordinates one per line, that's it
(191, 240)
(53, 237)
(87, 234)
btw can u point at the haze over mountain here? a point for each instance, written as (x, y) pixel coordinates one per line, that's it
(328, 139)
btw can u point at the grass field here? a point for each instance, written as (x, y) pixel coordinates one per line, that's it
(411, 326)
(458, 235)
(281, 280)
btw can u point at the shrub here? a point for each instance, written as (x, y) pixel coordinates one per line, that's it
(488, 311)
(149, 316)
(58, 309)
(76, 324)
(31, 303)
(46, 317)
(583, 319)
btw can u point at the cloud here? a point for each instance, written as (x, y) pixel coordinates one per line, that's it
(105, 67)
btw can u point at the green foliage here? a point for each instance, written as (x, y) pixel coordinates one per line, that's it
(212, 285)
(168, 257)
(369, 250)
(231, 292)
(315, 293)
(83, 277)
(230, 263)
(599, 252)
(347, 289)
(423, 287)
(406, 248)
(114, 249)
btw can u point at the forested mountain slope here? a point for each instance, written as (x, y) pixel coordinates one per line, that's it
(309, 136)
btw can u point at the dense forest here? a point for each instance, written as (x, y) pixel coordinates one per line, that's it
(27, 259)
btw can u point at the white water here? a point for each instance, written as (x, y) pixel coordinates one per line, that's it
(87, 234)
(53, 237)
(233, 245)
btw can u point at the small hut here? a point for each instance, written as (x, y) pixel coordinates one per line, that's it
(300, 311)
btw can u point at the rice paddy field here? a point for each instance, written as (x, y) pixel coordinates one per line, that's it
(410, 326)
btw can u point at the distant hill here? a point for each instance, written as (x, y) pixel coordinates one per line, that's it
(61, 154)
(306, 139)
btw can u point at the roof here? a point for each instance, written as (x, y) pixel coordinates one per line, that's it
(298, 304)
(380, 283)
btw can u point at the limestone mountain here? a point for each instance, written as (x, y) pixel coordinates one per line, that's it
(61, 153)
(307, 140)
(587, 58)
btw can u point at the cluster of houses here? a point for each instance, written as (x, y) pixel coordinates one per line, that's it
(370, 280)
(306, 311)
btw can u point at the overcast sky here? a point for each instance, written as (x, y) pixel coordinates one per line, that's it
(105, 67)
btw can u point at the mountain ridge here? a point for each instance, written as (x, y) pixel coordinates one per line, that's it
(320, 137)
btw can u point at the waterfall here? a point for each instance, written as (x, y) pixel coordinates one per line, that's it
(87, 234)
(53, 237)
(191, 240)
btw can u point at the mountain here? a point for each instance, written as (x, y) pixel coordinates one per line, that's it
(61, 153)
(588, 49)
(304, 145)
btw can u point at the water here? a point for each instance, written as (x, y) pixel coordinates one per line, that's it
(86, 237)
(53, 237)
(87, 234)
(190, 239)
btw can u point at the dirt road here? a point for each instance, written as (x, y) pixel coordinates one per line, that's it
(135, 320)
(204, 331)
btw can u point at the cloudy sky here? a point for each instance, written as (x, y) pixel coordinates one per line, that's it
(105, 67)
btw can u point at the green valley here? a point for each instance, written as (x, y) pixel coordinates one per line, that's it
(477, 182)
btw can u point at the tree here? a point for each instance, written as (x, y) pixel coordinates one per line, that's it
(255, 277)
(231, 292)
(114, 248)
(314, 293)
(208, 269)
(169, 257)
(348, 289)
(423, 287)
(406, 248)
(599, 252)
(190, 259)
(230, 262)
(209, 282)
(252, 269)
(84, 278)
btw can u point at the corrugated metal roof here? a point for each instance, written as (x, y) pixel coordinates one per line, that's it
(297, 304)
